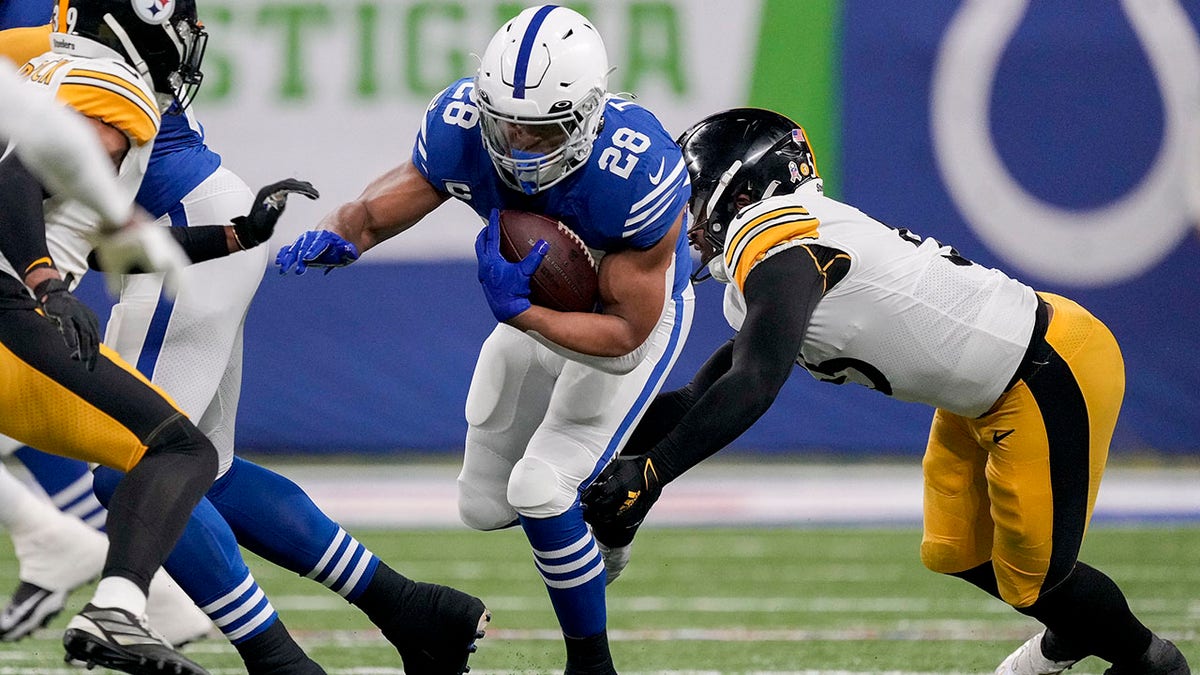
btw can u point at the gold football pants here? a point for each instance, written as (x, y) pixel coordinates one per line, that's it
(1017, 485)
(53, 403)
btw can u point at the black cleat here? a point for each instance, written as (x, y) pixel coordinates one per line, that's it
(114, 638)
(30, 608)
(435, 628)
(1162, 657)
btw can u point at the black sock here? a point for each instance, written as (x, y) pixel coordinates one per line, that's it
(384, 593)
(1087, 614)
(275, 652)
(589, 655)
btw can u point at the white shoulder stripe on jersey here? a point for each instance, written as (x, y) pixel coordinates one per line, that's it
(759, 229)
(653, 216)
(73, 78)
(666, 197)
(670, 180)
(421, 133)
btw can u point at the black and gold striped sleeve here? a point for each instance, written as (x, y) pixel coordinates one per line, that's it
(763, 229)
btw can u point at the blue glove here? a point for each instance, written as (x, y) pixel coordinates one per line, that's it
(505, 284)
(316, 248)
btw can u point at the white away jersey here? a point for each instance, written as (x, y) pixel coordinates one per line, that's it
(107, 90)
(911, 318)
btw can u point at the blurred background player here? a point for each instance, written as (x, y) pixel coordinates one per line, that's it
(191, 346)
(1027, 386)
(64, 391)
(554, 394)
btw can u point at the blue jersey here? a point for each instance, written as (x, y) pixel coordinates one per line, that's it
(25, 13)
(178, 163)
(628, 194)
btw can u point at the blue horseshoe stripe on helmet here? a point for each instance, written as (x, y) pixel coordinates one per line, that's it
(527, 49)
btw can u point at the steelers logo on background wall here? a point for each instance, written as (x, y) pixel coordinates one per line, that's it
(154, 11)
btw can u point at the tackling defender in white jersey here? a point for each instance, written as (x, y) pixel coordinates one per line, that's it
(1027, 386)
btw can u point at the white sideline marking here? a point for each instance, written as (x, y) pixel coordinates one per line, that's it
(728, 493)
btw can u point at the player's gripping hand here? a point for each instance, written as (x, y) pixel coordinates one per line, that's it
(505, 284)
(75, 320)
(316, 248)
(256, 227)
(619, 499)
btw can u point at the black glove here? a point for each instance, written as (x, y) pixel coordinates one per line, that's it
(75, 320)
(257, 227)
(618, 501)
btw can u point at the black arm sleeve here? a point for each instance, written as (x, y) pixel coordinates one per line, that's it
(670, 406)
(22, 222)
(203, 242)
(781, 294)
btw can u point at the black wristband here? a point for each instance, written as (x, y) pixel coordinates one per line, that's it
(244, 233)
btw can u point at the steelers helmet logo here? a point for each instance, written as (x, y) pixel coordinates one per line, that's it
(154, 11)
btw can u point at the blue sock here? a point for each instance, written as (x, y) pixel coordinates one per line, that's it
(567, 558)
(68, 482)
(274, 518)
(208, 566)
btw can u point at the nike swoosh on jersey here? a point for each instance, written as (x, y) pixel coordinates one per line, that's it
(998, 436)
(656, 177)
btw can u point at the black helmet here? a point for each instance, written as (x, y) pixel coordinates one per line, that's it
(736, 158)
(163, 40)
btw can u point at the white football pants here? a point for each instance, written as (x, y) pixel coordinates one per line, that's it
(562, 420)
(192, 346)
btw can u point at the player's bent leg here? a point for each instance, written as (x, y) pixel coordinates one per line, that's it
(433, 627)
(56, 554)
(208, 566)
(148, 510)
(958, 526)
(510, 391)
(568, 560)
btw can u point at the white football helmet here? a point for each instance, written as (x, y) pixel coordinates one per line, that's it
(541, 88)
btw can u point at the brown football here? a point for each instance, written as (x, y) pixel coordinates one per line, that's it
(566, 280)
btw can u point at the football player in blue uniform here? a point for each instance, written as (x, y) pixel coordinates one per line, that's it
(191, 346)
(554, 394)
(1026, 386)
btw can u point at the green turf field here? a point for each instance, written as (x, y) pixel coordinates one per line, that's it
(712, 600)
